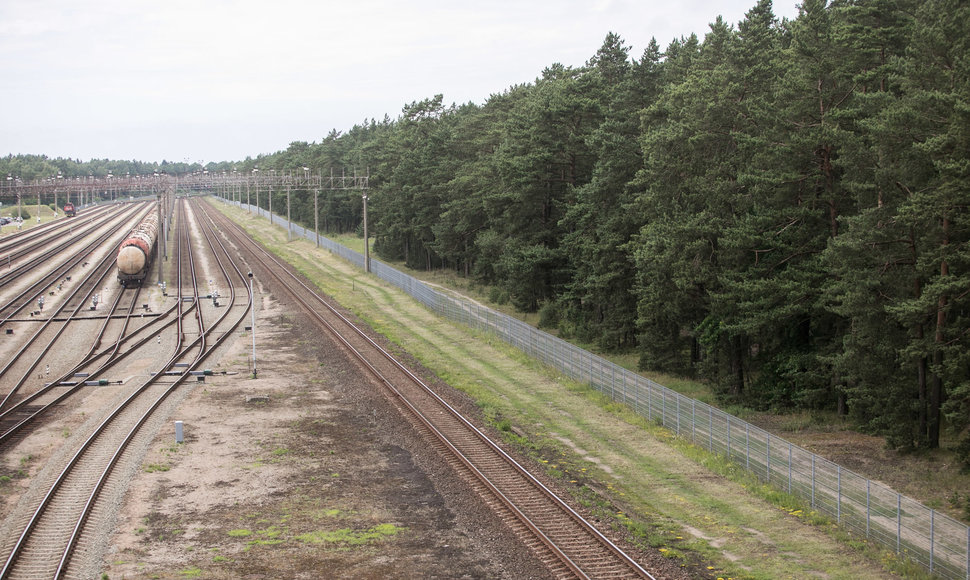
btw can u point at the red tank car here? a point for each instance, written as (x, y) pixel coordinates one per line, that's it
(135, 253)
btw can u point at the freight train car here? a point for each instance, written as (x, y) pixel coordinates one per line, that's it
(135, 253)
(70, 210)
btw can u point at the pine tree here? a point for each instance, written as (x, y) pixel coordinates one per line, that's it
(936, 106)
(598, 303)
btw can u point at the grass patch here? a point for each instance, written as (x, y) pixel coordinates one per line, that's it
(349, 537)
(638, 476)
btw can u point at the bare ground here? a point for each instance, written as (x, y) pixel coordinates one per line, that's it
(302, 473)
(305, 472)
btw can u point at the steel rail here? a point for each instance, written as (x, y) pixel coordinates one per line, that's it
(18, 303)
(98, 273)
(30, 399)
(19, 239)
(277, 269)
(203, 353)
(113, 356)
(39, 239)
(180, 351)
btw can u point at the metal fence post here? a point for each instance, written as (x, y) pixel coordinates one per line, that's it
(693, 420)
(649, 403)
(868, 510)
(768, 457)
(899, 521)
(663, 408)
(813, 481)
(636, 395)
(710, 428)
(789, 467)
(747, 447)
(678, 414)
(838, 504)
(613, 382)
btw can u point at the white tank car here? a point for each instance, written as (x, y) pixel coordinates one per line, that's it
(135, 253)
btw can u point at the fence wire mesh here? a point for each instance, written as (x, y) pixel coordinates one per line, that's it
(864, 507)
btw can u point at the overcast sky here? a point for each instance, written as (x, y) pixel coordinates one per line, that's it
(220, 80)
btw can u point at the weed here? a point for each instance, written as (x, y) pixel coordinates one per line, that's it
(259, 542)
(347, 536)
(271, 532)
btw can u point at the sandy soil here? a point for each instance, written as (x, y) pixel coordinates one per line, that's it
(304, 472)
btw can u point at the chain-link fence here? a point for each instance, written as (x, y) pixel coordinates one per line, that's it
(864, 507)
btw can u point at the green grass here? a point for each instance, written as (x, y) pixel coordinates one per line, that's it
(695, 507)
(349, 537)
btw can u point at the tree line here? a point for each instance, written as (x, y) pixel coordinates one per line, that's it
(779, 208)
(37, 168)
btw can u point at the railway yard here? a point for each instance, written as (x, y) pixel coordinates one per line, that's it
(335, 458)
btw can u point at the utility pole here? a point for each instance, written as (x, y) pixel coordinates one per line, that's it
(252, 299)
(160, 240)
(366, 243)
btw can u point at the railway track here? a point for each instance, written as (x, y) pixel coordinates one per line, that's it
(54, 237)
(63, 513)
(569, 545)
(52, 329)
(55, 260)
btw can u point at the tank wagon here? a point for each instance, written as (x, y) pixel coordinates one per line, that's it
(70, 210)
(135, 253)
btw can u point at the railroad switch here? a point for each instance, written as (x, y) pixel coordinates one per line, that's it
(97, 383)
